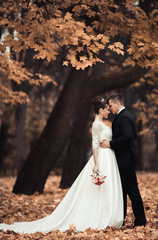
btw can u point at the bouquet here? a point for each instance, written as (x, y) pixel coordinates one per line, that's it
(98, 178)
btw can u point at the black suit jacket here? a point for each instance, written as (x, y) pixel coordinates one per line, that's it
(123, 139)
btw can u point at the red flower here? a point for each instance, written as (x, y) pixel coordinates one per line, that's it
(98, 178)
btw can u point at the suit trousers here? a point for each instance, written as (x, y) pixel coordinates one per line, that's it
(130, 188)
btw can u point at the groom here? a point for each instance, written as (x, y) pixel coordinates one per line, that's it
(124, 135)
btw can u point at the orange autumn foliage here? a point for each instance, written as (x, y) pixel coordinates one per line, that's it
(84, 28)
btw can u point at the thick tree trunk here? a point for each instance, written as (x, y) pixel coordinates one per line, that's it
(76, 153)
(77, 149)
(52, 140)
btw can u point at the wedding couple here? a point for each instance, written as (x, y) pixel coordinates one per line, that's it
(87, 205)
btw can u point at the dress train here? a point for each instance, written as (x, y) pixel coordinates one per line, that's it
(85, 205)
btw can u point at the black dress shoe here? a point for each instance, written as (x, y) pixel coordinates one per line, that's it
(139, 225)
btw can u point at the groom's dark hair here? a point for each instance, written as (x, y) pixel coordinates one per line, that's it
(116, 97)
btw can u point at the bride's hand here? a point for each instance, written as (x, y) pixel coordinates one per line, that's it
(95, 169)
(105, 144)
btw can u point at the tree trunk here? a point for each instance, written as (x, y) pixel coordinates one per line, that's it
(77, 149)
(50, 144)
(20, 119)
(3, 138)
(154, 164)
(20, 109)
(76, 153)
(20, 122)
(140, 146)
(120, 79)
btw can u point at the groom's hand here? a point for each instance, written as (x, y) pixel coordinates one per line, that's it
(105, 143)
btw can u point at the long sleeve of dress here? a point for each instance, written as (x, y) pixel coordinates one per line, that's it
(96, 129)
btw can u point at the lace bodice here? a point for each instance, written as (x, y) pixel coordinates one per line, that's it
(100, 131)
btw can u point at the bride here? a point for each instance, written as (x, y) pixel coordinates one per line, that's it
(86, 204)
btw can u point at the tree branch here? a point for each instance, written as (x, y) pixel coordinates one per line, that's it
(119, 79)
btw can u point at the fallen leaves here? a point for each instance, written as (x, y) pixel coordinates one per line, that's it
(28, 208)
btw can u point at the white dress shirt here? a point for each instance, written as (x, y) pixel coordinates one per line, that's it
(120, 110)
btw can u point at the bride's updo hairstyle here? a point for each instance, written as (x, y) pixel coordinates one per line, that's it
(99, 102)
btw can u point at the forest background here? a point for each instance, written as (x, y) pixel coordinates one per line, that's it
(55, 57)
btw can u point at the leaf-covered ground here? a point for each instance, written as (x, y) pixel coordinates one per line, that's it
(27, 208)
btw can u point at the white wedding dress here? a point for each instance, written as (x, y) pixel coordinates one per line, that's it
(85, 205)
